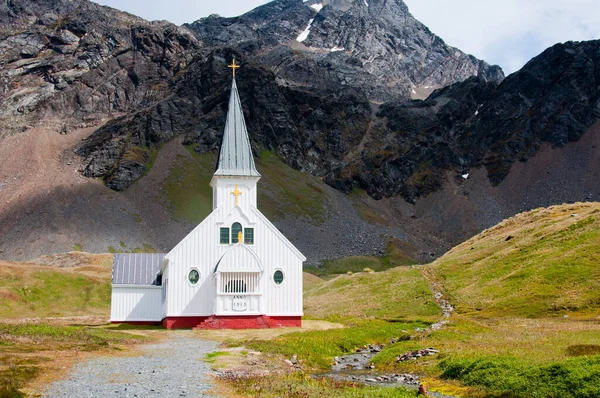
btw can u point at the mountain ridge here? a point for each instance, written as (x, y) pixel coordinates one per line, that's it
(127, 96)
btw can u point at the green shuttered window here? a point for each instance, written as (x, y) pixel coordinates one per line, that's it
(224, 236)
(249, 236)
(278, 277)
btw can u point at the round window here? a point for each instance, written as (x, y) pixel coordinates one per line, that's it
(194, 276)
(278, 277)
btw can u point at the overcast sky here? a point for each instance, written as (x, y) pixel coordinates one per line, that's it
(504, 32)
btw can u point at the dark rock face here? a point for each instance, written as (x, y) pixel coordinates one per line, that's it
(555, 98)
(78, 61)
(327, 86)
(307, 130)
(399, 148)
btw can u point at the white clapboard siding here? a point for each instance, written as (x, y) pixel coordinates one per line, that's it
(202, 250)
(136, 303)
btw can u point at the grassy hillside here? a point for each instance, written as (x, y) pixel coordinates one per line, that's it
(539, 263)
(399, 293)
(286, 192)
(535, 265)
(527, 297)
(31, 290)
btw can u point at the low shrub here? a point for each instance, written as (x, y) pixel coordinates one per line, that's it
(512, 377)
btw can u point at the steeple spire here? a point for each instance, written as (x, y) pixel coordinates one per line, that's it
(235, 158)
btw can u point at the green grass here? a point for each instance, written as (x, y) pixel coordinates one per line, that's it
(77, 247)
(536, 341)
(152, 155)
(211, 356)
(302, 385)
(37, 291)
(394, 257)
(146, 248)
(512, 377)
(399, 293)
(316, 349)
(187, 188)
(285, 192)
(348, 264)
(539, 263)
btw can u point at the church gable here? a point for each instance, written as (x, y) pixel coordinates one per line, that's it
(235, 265)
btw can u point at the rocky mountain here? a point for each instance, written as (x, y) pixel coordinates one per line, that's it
(377, 47)
(358, 96)
(75, 62)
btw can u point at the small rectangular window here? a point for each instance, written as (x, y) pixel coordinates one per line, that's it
(249, 236)
(224, 236)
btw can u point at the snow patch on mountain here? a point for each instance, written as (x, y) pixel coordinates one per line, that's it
(304, 35)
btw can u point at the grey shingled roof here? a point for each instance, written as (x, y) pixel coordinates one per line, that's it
(136, 268)
(236, 158)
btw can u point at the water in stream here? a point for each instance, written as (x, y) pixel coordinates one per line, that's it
(357, 368)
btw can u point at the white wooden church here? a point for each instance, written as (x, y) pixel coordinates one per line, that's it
(234, 270)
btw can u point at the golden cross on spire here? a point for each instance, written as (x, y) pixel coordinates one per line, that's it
(236, 192)
(233, 67)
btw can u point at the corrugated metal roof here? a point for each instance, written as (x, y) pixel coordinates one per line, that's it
(236, 158)
(136, 268)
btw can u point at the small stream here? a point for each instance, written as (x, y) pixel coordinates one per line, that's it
(357, 368)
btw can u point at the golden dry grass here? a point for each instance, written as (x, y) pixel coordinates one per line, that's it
(398, 293)
(72, 284)
(537, 263)
(310, 281)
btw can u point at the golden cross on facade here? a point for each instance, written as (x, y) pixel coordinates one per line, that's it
(236, 192)
(233, 67)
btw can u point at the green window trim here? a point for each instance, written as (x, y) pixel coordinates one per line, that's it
(278, 277)
(236, 228)
(249, 236)
(224, 236)
(194, 276)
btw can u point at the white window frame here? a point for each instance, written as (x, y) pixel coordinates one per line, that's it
(187, 277)
(273, 277)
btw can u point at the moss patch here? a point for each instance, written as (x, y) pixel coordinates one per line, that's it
(187, 190)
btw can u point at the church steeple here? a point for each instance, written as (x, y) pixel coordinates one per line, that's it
(236, 158)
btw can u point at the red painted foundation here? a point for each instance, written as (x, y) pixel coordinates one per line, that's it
(232, 322)
(141, 323)
(183, 322)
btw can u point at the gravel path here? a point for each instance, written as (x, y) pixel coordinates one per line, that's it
(172, 368)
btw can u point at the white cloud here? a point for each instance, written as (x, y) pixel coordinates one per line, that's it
(182, 11)
(509, 32)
